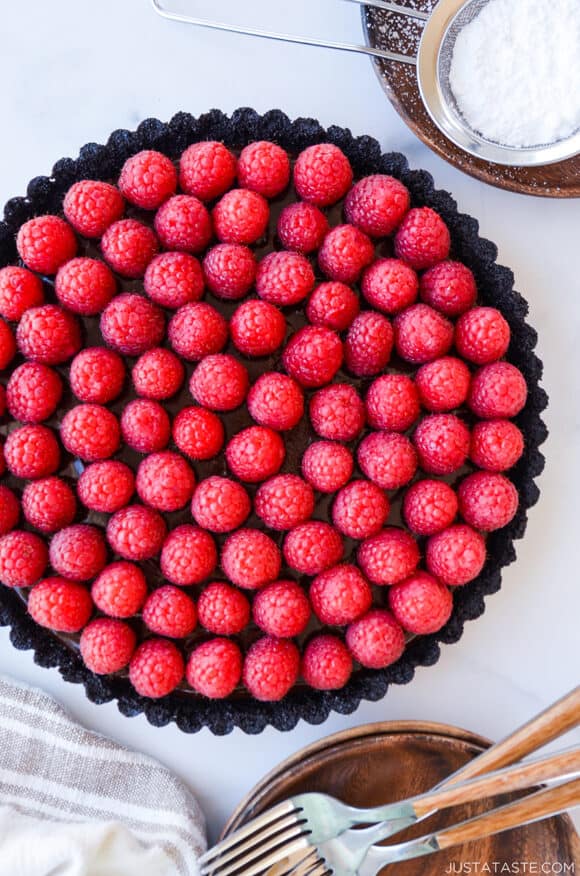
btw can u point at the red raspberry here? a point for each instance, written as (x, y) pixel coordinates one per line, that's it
(214, 669)
(45, 243)
(85, 286)
(429, 506)
(241, 216)
(255, 453)
(120, 590)
(156, 668)
(7, 344)
(422, 334)
(220, 383)
(281, 609)
(302, 227)
(49, 504)
(327, 465)
(207, 170)
(91, 206)
(257, 328)
(106, 486)
(448, 287)
(487, 500)
(223, 609)
(173, 279)
(456, 555)
(23, 558)
(158, 374)
(145, 426)
(421, 604)
(333, 305)
(423, 238)
(284, 501)
(271, 668)
(131, 324)
(147, 179)
(107, 645)
(345, 253)
(60, 605)
(198, 433)
(189, 556)
(48, 334)
(220, 504)
(90, 432)
(9, 510)
(340, 595)
(2, 460)
(392, 403)
(326, 663)
(250, 559)
(369, 344)
(388, 459)
(390, 285)
(32, 452)
(389, 557)
(313, 356)
(322, 174)
(165, 481)
(377, 204)
(197, 330)
(230, 270)
(496, 445)
(136, 532)
(170, 612)
(376, 640)
(443, 384)
(275, 400)
(482, 335)
(97, 375)
(33, 392)
(78, 552)
(498, 390)
(337, 412)
(129, 246)
(312, 547)
(19, 291)
(183, 223)
(264, 167)
(284, 278)
(442, 442)
(360, 509)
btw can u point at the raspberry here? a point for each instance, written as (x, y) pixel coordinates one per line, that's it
(390, 285)
(49, 504)
(45, 243)
(23, 558)
(284, 278)
(281, 609)
(326, 663)
(392, 403)
(423, 238)
(345, 253)
(136, 532)
(360, 509)
(198, 433)
(214, 669)
(422, 334)
(482, 335)
(78, 552)
(165, 481)
(388, 459)
(255, 453)
(9, 510)
(156, 668)
(2, 400)
(48, 334)
(32, 452)
(442, 442)
(106, 486)
(264, 167)
(147, 179)
(271, 668)
(223, 609)
(170, 612)
(369, 344)
(197, 330)
(496, 445)
(84, 286)
(487, 500)
(443, 384)
(376, 640)
(107, 645)
(241, 217)
(257, 328)
(7, 344)
(90, 432)
(189, 556)
(340, 595)
(250, 559)
(131, 324)
(19, 291)
(377, 204)
(158, 374)
(33, 392)
(498, 390)
(389, 557)
(429, 507)
(60, 605)
(337, 412)
(313, 356)
(421, 604)
(322, 174)
(327, 465)
(173, 279)
(129, 246)
(230, 270)
(302, 227)
(220, 504)
(92, 206)
(220, 383)
(207, 170)
(448, 287)
(333, 305)
(120, 590)
(183, 223)
(276, 401)
(456, 555)
(145, 426)
(312, 547)
(284, 501)
(97, 375)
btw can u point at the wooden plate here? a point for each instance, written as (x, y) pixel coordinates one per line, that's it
(388, 30)
(380, 763)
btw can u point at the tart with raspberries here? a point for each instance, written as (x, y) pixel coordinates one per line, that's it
(270, 416)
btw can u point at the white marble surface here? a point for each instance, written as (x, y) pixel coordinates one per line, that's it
(73, 70)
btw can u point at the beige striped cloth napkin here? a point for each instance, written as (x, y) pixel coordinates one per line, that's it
(73, 803)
